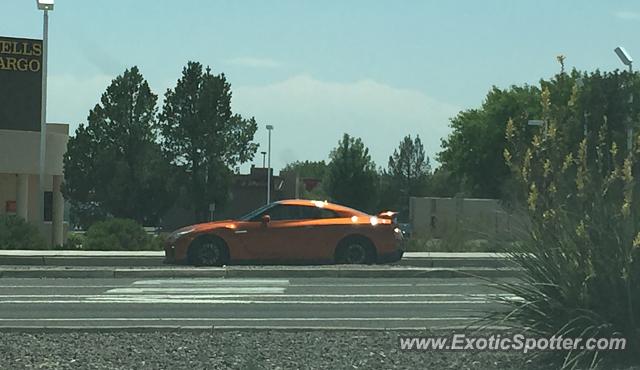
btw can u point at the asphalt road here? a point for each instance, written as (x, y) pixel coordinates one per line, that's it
(244, 303)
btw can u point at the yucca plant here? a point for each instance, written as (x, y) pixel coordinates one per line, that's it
(581, 261)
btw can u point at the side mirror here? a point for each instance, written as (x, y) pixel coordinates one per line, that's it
(265, 220)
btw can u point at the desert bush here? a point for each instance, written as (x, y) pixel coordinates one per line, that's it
(582, 262)
(119, 235)
(16, 233)
(75, 241)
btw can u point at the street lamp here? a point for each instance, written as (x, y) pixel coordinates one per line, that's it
(269, 128)
(628, 61)
(45, 6)
(624, 57)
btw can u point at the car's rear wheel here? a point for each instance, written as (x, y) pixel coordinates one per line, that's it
(355, 250)
(208, 251)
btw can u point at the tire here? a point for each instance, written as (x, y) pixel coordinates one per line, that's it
(355, 250)
(208, 251)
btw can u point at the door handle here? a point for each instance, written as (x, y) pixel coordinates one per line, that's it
(240, 232)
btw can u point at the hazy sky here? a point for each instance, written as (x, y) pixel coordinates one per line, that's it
(315, 69)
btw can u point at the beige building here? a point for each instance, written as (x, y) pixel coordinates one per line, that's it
(19, 176)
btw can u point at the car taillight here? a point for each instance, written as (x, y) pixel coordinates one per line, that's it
(397, 233)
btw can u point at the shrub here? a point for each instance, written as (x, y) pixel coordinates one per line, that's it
(16, 233)
(118, 235)
(75, 241)
(582, 263)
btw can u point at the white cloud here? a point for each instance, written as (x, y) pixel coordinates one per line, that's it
(310, 117)
(70, 98)
(627, 15)
(254, 62)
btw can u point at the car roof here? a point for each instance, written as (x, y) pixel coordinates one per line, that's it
(321, 204)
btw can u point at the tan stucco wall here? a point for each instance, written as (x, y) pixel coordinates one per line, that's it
(475, 218)
(19, 155)
(19, 150)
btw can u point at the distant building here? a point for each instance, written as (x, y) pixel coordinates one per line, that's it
(249, 191)
(19, 176)
(20, 128)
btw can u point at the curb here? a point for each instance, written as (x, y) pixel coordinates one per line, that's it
(266, 272)
(151, 259)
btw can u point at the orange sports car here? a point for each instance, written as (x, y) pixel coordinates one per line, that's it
(290, 231)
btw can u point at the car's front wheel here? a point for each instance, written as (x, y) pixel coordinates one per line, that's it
(355, 250)
(208, 251)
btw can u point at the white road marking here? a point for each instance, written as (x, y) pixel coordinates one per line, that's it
(143, 300)
(247, 290)
(220, 291)
(61, 286)
(211, 296)
(218, 281)
(262, 282)
(249, 319)
(195, 282)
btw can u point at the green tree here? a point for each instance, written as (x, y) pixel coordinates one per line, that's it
(352, 179)
(203, 137)
(311, 169)
(114, 165)
(407, 175)
(442, 184)
(472, 154)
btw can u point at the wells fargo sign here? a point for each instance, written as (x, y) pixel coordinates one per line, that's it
(20, 83)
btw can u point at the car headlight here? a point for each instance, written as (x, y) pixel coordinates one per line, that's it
(179, 233)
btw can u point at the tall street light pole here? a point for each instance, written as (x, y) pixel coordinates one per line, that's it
(45, 6)
(626, 59)
(269, 128)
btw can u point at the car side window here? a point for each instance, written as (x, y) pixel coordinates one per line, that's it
(315, 213)
(269, 211)
(281, 213)
(327, 213)
(291, 212)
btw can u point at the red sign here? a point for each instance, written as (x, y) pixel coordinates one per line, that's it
(11, 207)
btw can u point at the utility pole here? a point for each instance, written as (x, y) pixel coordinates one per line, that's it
(269, 128)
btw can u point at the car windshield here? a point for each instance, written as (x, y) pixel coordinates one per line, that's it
(251, 215)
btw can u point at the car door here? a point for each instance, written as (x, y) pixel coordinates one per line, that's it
(317, 240)
(305, 234)
(287, 232)
(267, 242)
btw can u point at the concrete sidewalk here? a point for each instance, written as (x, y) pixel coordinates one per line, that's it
(155, 258)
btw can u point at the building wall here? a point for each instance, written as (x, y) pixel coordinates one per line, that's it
(19, 150)
(7, 190)
(19, 156)
(474, 218)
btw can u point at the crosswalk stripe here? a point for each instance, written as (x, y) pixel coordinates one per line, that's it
(247, 290)
(214, 282)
